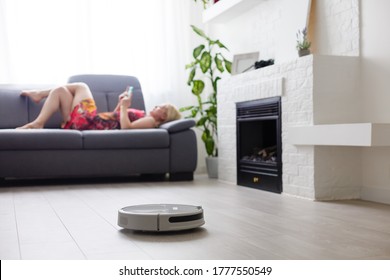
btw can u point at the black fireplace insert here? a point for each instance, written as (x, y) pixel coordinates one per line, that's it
(259, 144)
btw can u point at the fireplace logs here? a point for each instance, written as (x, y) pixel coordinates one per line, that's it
(268, 154)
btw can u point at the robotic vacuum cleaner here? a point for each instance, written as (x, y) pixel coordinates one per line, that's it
(160, 217)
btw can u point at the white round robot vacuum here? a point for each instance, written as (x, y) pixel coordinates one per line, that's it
(161, 217)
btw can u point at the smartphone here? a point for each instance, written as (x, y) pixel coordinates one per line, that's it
(129, 91)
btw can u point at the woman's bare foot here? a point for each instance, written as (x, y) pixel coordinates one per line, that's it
(31, 125)
(34, 95)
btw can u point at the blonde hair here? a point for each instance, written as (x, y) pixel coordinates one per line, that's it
(172, 112)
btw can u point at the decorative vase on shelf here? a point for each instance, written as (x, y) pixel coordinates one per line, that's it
(303, 52)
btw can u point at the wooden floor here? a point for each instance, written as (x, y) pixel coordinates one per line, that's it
(79, 221)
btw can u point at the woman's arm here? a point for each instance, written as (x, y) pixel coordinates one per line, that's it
(145, 122)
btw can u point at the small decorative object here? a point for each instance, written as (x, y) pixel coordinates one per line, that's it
(264, 63)
(303, 45)
(260, 64)
(244, 62)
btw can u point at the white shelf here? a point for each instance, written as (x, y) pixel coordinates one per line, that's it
(355, 134)
(227, 9)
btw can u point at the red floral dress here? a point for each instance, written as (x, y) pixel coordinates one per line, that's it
(85, 117)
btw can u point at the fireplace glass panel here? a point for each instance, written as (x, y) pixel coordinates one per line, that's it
(259, 146)
(256, 139)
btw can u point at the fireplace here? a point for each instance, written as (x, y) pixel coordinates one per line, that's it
(259, 144)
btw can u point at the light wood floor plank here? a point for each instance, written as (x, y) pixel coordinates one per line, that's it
(79, 221)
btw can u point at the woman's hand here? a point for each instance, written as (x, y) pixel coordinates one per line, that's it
(124, 101)
(122, 95)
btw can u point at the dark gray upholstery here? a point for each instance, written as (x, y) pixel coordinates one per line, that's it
(40, 139)
(106, 88)
(13, 111)
(53, 152)
(119, 139)
(179, 125)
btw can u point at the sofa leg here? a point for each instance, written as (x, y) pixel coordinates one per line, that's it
(153, 177)
(181, 176)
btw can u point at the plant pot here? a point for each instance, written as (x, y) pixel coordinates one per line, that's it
(212, 167)
(303, 52)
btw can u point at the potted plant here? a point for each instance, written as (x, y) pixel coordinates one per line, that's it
(303, 44)
(205, 3)
(208, 63)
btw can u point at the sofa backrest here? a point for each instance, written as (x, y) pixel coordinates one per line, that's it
(13, 109)
(16, 110)
(106, 88)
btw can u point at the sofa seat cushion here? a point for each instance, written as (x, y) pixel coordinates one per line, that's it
(125, 139)
(40, 139)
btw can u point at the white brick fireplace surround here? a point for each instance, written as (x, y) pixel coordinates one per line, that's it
(322, 133)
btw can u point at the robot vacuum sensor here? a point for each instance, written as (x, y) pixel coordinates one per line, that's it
(161, 217)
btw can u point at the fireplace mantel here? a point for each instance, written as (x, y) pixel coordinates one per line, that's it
(319, 94)
(354, 134)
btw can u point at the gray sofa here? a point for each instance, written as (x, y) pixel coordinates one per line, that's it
(57, 153)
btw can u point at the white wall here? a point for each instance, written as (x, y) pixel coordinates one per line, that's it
(333, 28)
(375, 70)
(337, 27)
(254, 30)
(375, 52)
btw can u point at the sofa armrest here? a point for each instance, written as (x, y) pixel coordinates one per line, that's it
(178, 125)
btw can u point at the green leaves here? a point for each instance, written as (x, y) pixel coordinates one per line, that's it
(302, 41)
(191, 76)
(205, 62)
(197, 87)
(228, 66)
(200, 32)
(205, 2)
(219, 64)
(222, 46)
(215, 83)
(197, 51)
(209, 141)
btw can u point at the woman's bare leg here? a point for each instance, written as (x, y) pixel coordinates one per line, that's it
(80, 91)
(62, 98)
(36, 95)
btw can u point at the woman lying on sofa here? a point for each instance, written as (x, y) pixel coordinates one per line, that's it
(78, 110)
